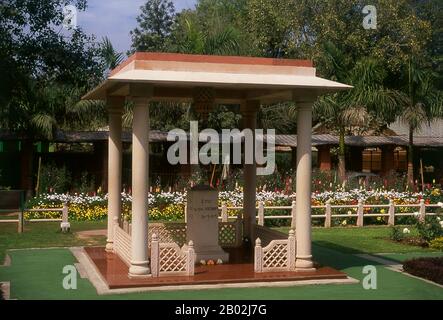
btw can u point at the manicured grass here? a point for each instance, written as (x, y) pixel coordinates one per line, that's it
(37, 274)
(361, 240)
(400, 257)
(46, 234)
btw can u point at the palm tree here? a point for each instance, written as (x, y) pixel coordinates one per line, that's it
(358, 109)
(423, 104)
(110, 56)
(221, 42)
(281, 116)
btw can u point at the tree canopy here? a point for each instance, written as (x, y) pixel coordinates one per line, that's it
(44, 68)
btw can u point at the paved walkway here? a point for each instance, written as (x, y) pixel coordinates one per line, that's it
(91, 233)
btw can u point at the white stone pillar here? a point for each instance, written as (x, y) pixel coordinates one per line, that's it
(304, 174)
(140, 186)
(115, 110)
(249, 113)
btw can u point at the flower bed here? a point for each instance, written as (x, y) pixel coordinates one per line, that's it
(169, 206)
(428, 268)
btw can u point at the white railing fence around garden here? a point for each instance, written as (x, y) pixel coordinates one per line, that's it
(278, 255)
(229, 232)
(356, 211)
(21, 220)
(171, 259)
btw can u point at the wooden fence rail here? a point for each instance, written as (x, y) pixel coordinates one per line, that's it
(64, 220)
(391, 213)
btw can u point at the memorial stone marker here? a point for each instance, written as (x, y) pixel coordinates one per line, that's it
(202, 223)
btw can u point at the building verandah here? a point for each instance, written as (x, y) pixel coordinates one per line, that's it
(248, 82)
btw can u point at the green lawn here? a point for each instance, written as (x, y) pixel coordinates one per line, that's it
(37, 274)
(45, 234)
(360, 240)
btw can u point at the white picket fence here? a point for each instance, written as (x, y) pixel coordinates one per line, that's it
(64, 219)
(421, 212)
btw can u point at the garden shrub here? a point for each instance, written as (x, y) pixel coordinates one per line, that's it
(430, 228)
(428, 268)
(85, 184)
(396, 234)
(54, 179)
(437, 243)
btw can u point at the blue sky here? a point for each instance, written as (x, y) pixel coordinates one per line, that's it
(115, 18)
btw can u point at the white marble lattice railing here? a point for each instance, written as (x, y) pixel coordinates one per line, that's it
(278, 255)
(122, 244)
(230, 233)
(170, 259)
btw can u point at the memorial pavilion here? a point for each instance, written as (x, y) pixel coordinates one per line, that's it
(204, 81)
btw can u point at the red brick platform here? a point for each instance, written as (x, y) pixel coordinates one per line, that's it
(238, 270)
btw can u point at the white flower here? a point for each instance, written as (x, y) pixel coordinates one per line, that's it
(406, 231)
(416, 214)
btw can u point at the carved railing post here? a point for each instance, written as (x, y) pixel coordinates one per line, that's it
(422, 211)
(65, 226)
(293, 211)
(258, 256)
(115, 226)
(291, 250)
(21, 221)
(238, 231)
(391, 220)
(155, 256)
(328, 214)
(126, 224)
(261, 213)
(224, 213)
(190, 259)
(360, 213)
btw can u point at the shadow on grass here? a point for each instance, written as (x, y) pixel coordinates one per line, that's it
(339, 257)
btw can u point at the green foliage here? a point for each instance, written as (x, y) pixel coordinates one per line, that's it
(86, 183)
(430, 229)
(111, 57)
(282, 117)
(42, 69)
(54, 179)
(400, 31)
(437, 244)
(274, 26)
(154, 26)
(194, 39)
(396, 234)
(223, 117)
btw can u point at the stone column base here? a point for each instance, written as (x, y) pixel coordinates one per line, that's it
(139, 270)
(109, 246)
(304, 264)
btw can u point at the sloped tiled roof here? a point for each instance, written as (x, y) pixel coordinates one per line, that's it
(282, 140)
